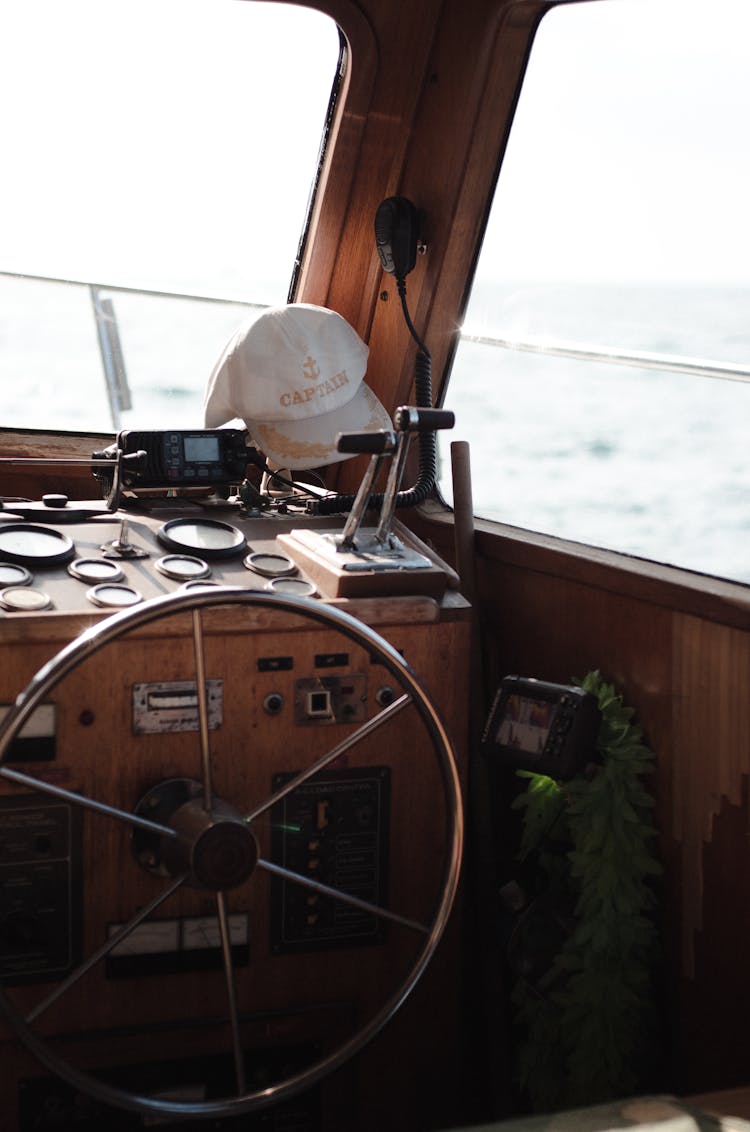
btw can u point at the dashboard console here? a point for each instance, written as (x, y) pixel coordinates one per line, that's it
(238, 696)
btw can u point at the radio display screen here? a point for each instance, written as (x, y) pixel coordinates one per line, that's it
(202, 449)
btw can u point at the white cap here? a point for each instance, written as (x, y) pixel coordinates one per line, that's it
(294, 375)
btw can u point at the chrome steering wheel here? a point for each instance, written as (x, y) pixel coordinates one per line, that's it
(208, 842)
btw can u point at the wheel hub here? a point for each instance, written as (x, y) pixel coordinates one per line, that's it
(215, 847)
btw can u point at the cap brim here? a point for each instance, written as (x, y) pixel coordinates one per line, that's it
(311, 443)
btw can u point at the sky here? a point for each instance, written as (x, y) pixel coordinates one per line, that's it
(629, 156)
(163, 143)
(166, 143)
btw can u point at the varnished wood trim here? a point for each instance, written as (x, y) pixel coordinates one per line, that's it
(699, 594)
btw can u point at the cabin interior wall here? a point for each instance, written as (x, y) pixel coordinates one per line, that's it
(685, 673)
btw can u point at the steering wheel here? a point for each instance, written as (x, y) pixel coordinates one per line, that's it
(203, 841)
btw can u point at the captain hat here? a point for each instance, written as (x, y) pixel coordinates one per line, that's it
(294, 375)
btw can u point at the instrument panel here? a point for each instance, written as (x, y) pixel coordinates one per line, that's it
(124, 726)
(111, 562)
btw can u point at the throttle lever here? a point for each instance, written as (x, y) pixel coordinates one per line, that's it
(407, 420)
(379, 444)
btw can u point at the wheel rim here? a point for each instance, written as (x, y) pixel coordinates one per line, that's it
(109, 631)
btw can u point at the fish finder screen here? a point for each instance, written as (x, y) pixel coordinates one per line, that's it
(202, 449)
(526, 723)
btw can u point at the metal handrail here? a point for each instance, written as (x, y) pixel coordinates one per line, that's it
(640, 359)
(696, 367)
(118, 288)
(108, 334)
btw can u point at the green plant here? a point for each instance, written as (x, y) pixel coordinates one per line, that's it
(588, 1022)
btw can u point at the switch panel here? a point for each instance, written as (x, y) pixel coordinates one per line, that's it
(40, 851)
(334, 831)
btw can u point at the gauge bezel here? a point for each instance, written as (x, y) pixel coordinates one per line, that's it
(287, 570)
(55, 558)
(96, 598)
(24, 577)
(40, 599)
(79, 569)
(166, 536)
(300, 587)
(168, 566)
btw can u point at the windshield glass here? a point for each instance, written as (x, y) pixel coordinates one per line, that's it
(160, 146)
(603, 377)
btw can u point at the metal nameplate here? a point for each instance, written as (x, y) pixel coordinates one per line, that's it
(173, 706)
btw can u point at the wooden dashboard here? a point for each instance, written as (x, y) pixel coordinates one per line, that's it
(121, 723)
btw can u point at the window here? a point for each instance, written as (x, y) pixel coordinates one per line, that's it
(619, 226)
(158, 145)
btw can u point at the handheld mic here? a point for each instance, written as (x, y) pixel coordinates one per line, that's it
(396, 235)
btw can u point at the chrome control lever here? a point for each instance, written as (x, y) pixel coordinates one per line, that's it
(407, 420)
(379, 444)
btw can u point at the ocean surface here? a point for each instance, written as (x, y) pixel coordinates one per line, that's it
(650, 463)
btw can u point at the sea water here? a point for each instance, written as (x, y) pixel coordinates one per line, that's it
(650, 463)
(655, 464)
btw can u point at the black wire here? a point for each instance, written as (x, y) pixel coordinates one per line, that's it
(427, 473)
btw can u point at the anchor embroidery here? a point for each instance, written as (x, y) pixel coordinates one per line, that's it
(311, 369)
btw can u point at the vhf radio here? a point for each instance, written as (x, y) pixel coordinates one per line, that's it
(175, 458)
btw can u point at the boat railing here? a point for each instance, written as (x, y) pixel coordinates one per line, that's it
(107, 328)
(641, 359)
(116, 379)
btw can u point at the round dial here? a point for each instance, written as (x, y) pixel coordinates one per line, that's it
(182, 566)
(113, 594)
(23, 599)
(270, 565)
(297, 586)
(209, 537)
(26, 543)
(11, 575)
(94, 570)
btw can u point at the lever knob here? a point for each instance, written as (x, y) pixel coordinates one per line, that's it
(374, 442)
(409, 419)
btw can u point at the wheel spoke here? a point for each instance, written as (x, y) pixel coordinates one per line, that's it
(86, 803)
(113, 940)
(200, 684)
(320, 764)
(226, 951)
(344, 897)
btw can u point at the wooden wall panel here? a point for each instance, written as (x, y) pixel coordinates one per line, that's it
(686, 674)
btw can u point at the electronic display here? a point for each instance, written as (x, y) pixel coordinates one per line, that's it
(201, 448)
(526, 723)
(542, 727)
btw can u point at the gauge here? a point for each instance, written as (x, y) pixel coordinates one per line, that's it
(39, 546)
(211, 537)
(154, 937)
(182, 566)
(95, 570)
(297, 586)
(200, 584)
(112, 593)
(11, 575)
(23, 599)
(270, 565)
(202, 932)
